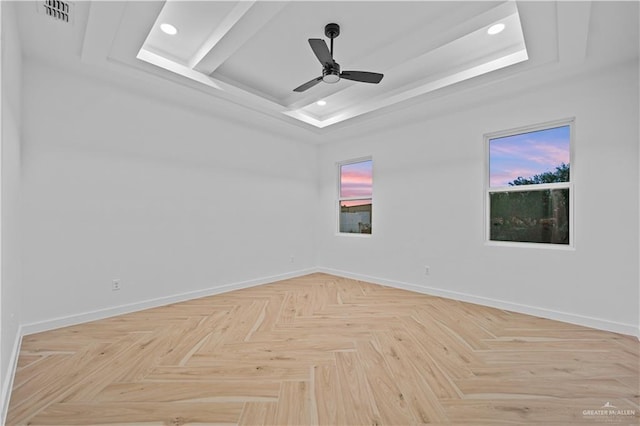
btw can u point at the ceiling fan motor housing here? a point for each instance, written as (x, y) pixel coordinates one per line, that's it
(331, 73)
(332, 30)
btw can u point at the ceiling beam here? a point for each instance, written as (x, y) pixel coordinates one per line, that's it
(236, 29)
(102, 27)
(573, 31)
(219, 32)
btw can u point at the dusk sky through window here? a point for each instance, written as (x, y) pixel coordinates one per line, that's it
(356, 179)
(527, 154)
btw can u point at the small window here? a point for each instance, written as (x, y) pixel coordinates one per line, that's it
(355, 196)
(529, 187)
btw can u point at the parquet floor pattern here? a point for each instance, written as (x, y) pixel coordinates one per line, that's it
(324, 350)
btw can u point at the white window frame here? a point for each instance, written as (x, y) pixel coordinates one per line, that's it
(488, 190)
(339, 198)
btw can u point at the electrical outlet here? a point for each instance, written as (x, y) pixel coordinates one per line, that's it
(291, 259)
(427, 270)
(115, 285)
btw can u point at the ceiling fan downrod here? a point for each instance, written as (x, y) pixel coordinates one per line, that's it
(332, 31)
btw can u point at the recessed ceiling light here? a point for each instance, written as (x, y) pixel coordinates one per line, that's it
(495, 29)
(169, 29)
(321, 103)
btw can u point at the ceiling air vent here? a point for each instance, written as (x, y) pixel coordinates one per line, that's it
(58, 10)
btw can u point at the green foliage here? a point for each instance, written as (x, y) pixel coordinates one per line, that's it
(540, 216)
(560, 175)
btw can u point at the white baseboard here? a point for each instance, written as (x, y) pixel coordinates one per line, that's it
(10, 374)
(598, 323)
(37, 327)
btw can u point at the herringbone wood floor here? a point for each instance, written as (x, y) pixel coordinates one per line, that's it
(324, 350)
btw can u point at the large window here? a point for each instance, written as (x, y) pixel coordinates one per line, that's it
(529, 188)
(355, 196)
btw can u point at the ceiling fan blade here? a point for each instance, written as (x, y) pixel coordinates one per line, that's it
(308, 85)
(362, 76)
(321, 50)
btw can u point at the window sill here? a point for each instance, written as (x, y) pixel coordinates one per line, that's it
(352, 235)
(542, 246)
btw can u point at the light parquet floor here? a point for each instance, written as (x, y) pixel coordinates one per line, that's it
(325, 350)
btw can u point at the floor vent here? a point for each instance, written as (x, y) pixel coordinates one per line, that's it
(58, 10)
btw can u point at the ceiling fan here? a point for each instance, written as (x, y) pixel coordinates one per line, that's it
(330, 68)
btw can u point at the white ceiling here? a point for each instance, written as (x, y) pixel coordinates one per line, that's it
(259, 50)
(253, 53)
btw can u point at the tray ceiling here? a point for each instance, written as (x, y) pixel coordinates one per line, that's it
(258, 51)
(254, 53)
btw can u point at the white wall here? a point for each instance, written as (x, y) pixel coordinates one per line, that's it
(428, 206)
(119, 184)
(167, 199)
(10, 291)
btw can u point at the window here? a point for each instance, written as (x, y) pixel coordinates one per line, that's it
(355, 196)
(529, 188)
